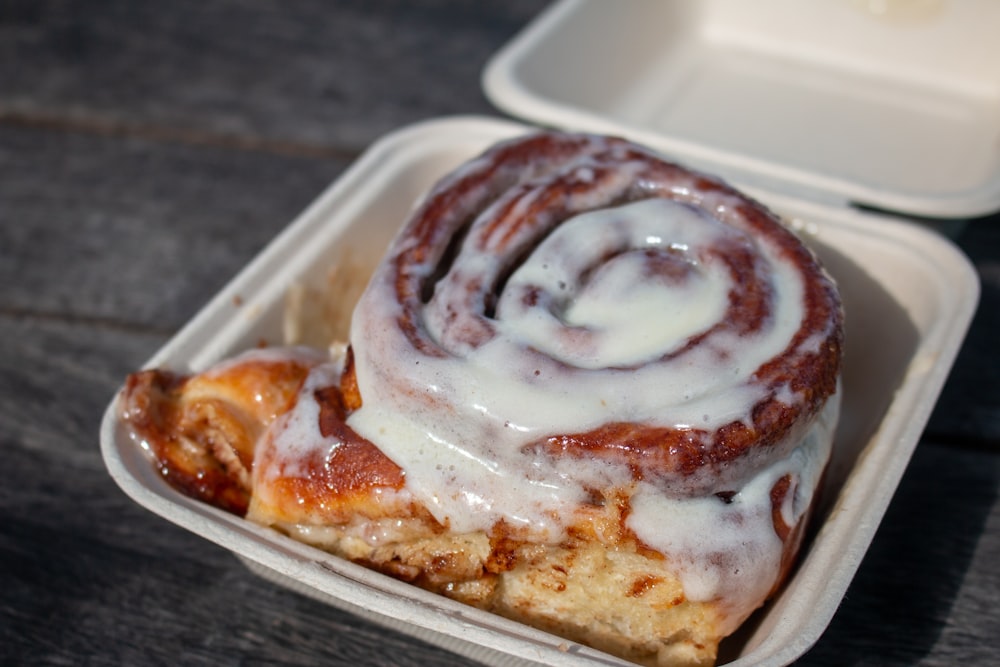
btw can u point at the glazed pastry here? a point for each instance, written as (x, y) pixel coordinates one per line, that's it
(586, 389)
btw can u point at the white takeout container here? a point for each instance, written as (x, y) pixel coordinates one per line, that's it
(909, 294)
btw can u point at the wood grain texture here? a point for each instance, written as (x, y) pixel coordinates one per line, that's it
(174, 221)
(968, 412)
(304, 75)
(147, 152)
(924, 592)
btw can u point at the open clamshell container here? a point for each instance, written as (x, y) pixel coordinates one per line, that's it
(909, 296)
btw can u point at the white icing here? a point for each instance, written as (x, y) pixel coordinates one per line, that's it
(295, 436)
(484, 404)
(591, 327)
(620, 316)
(741, 553)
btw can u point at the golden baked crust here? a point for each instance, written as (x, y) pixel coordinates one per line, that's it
(599, 586)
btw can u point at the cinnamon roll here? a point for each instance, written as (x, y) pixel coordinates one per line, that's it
(586, 388)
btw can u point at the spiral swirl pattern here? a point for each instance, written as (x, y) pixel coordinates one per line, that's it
(568, 312)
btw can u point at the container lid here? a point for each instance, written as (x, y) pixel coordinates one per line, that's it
(892, 104)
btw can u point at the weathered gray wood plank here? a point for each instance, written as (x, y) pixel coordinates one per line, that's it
(304, 75)
(968, 411)
(134, 231)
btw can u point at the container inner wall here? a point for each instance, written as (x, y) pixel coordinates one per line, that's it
(901, 97)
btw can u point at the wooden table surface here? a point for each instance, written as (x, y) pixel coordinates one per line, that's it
(147, 152)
